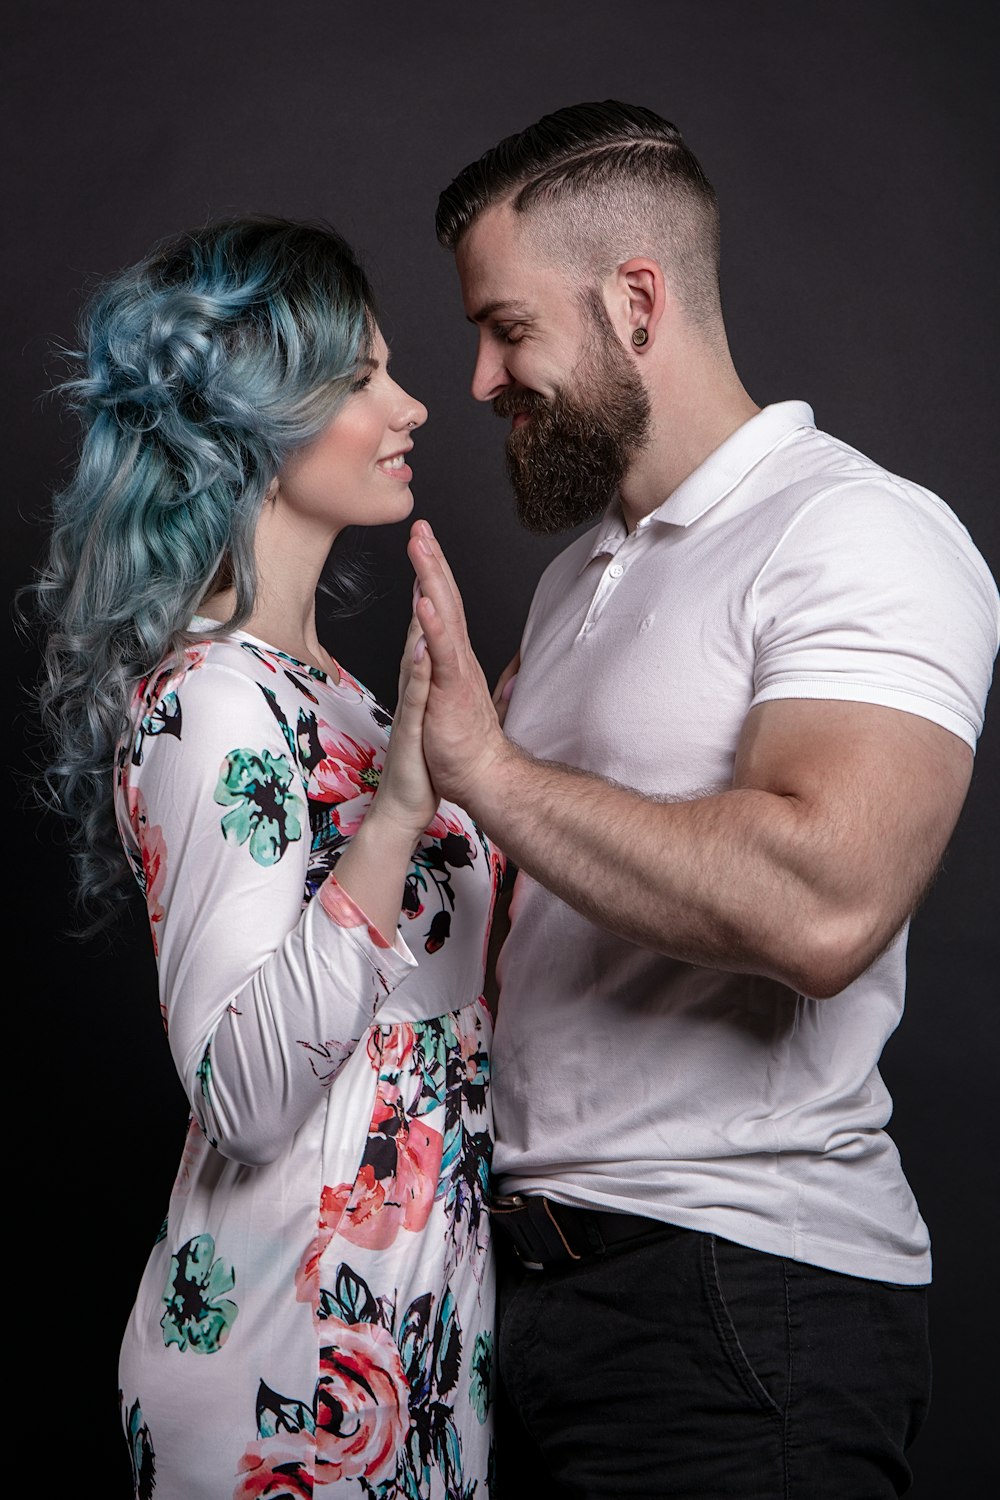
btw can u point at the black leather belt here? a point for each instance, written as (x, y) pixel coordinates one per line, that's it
(545, 1234)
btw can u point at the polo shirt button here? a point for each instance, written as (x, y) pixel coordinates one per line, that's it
(616, 570)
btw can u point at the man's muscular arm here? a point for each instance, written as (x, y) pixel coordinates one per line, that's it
(802, 871)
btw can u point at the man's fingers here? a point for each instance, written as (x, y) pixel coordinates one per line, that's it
(435, 588)
(440, 643)
(432, 569)
(438, 551)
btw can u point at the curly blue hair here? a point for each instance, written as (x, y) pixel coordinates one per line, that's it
(200, 369)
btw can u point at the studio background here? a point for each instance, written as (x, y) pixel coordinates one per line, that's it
(853, 148)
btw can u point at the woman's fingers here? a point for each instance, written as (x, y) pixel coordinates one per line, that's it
(505, 686)
(413, 633)
(413, 695)
(502, 690)
(406, 790)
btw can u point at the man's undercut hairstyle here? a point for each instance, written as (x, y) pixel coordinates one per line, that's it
(599, 184)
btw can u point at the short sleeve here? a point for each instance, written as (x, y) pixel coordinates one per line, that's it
(878, 595)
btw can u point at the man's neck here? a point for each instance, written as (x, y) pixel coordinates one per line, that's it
(695, 408)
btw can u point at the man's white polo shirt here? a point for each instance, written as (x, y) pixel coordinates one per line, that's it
(787, 566)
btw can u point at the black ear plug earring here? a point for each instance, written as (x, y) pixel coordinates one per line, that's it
(639, 337)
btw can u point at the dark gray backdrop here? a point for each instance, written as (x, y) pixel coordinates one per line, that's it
(853, 147)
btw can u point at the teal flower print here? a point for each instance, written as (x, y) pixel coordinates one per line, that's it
(198, 1316)
(140, 1449)
(481, 1383)
(265, 811)
(203, 1073)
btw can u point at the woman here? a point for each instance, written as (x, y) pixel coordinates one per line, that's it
(318, 1309)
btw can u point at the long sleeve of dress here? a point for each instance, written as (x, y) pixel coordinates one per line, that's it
(262, 1000)
(317, 1311)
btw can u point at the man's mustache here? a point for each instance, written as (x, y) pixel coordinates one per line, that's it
(511, 403)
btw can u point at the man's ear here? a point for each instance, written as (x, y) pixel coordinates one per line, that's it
(638, 295)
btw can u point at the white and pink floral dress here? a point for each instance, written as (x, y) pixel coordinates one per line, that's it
(317, 1313)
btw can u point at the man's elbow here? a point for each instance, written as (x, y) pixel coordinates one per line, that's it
(838, 950)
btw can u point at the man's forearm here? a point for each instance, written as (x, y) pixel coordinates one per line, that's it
(727, 880)
(803, 871)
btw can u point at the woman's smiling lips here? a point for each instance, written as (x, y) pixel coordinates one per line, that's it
(396, 467)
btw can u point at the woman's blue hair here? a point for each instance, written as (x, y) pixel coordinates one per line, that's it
(200, 370)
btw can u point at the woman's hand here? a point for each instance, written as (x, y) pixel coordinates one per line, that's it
(463, 742)
(373, 869)
(406, 794)
(505, 686)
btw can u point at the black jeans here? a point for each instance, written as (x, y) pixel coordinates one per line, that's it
(688, 1366)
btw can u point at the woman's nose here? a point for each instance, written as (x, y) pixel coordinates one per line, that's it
(413, 412)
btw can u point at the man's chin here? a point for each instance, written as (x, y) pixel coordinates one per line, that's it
(550, 514)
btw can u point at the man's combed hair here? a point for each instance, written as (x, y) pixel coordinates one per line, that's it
(597, 184)
(199, 370)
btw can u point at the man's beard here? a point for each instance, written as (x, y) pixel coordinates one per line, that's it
(569, 459)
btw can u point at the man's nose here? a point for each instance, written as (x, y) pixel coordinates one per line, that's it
(490, 375)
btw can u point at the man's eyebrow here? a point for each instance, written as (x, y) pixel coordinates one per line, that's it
(489, 308)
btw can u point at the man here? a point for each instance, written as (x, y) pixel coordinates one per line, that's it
(737, 744)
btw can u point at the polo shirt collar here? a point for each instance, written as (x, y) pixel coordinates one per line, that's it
(714, 479)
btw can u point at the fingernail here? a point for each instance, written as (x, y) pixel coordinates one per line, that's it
(508, 687)
(419, 649)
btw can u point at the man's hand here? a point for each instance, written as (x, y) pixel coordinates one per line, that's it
(464, 744)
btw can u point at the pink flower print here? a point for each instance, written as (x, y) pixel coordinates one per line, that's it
(154, 869)
(395, 1186)
(361, 1405)
(347, 681)
(332, 1203)
(153, 852)
(346, 913)
(468, 1034)
(498, 865)
(390, 1050)
(277, 1468)
(366, 1197)
(164, 678)
(194, 656)
(347, 775)
(442, 824)
(194, 1149)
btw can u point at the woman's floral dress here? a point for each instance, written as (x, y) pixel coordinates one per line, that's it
(317, 1314)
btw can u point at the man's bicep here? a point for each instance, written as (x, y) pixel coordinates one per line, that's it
(877, 792)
